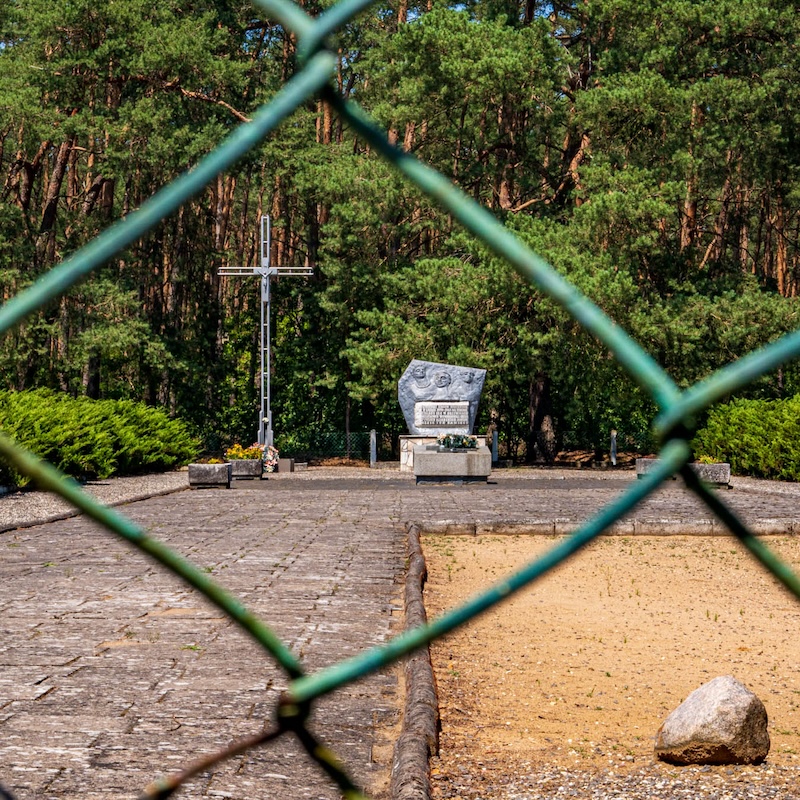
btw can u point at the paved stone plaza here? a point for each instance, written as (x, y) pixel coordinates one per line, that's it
(112, 672)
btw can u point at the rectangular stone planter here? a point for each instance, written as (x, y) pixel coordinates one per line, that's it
(718, 474)
(246, 469)
(208, 476)
(460, 466)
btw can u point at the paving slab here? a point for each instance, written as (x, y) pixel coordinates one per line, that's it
(112, 672)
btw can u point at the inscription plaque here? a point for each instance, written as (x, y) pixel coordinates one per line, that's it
(441, 415)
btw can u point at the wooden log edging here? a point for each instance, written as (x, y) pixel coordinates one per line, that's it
(419, 737)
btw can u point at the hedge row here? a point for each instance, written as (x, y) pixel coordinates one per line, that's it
(93, 438)
(760, 438)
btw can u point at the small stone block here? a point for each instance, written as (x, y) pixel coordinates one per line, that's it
(719, 474)
(207, 476)
(285, 465)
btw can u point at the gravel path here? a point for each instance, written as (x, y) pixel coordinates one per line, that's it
(23, 509)
(652, 783)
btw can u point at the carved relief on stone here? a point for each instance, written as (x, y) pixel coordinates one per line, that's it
(440, 398)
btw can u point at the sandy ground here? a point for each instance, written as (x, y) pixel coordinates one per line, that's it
(580, 670)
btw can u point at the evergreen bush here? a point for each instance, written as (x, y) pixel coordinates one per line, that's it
(760, 438)
(93, 438)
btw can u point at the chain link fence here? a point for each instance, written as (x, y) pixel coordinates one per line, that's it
(318, 446)
(673, 426)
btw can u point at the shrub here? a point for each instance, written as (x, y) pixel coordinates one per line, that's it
(760, 438)
(93, 438)
(149, 440)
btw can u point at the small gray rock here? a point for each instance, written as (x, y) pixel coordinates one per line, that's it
(722, 722)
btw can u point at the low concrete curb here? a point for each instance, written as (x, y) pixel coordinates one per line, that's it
(779, 526)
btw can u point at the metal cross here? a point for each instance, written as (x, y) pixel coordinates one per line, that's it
(265, 271)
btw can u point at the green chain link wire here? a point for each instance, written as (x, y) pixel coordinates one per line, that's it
(674, 425)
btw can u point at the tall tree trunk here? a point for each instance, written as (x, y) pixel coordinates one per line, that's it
(781, 252)
(742, 204)
(575, 150)
(91, 376)
(716, 247)
(689, 218)
(280, 235)
(408, 139)
(506, 155)
(73, 183)
(47, 248)
(54, 186)
(541, 441)
(794, 261)
(24, 172)
(324, 122)
(223, 202)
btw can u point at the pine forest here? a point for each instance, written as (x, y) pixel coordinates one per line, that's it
(649, 151)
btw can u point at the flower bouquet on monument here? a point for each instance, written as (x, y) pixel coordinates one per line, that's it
(456, 441)
(270, 458)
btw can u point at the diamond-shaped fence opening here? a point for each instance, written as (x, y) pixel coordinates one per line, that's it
(673, 425)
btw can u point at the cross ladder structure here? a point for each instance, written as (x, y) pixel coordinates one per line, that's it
(265, 270)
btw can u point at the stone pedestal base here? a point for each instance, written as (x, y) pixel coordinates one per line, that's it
(409, 442)
(461, 466)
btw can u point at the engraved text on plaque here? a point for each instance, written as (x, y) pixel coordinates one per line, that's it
(441, 415)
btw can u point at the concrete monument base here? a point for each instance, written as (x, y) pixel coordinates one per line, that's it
(452, 466)
(409, 442)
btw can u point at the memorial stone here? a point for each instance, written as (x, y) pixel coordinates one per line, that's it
(440, 398)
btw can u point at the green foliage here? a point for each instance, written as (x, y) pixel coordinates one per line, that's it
(476, 85)
(649, 151)
(93, 439)
(702, 326)
(760, 438)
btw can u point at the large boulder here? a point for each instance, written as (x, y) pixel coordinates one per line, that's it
(722, 722)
